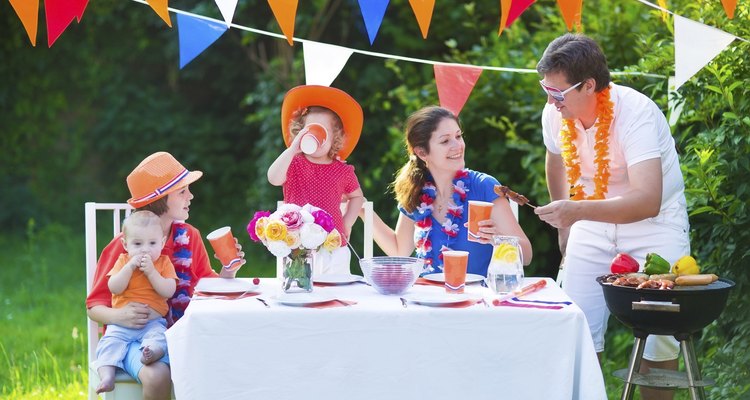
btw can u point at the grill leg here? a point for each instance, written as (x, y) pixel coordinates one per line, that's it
(634, 365)
(691, 367)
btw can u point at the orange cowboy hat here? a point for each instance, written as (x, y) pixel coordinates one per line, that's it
(157, 176)
(333, 99)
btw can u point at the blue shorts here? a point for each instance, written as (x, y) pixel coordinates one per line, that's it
(132, 362)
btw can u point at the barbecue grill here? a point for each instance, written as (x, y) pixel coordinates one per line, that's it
(681, 312)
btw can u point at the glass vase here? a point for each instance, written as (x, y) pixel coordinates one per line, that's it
(297, 276)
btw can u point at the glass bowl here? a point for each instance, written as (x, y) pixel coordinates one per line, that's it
(391, 275)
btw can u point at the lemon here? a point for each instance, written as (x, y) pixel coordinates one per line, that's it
(505, 253)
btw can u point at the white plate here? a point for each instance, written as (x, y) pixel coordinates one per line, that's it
(302, 299)
(470, 278)
(440, 299)
(224, 285)
(337, 279)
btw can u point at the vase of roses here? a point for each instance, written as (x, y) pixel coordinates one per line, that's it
(295, 233)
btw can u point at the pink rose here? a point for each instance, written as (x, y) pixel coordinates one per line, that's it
(292, 220)
(323, 219)
(251, 225)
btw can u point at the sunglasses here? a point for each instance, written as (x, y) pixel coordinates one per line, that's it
(557, 94)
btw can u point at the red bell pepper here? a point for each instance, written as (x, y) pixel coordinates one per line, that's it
(624, 264)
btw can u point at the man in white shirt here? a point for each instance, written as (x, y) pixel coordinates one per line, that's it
(614, 179)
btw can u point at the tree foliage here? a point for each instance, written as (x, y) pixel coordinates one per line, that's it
(76, 118)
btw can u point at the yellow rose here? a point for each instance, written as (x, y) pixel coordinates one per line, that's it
(260, 228)
(292, 239)
(275, 230)
(333, 241)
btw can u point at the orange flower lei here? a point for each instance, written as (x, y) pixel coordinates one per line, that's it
(604, 111)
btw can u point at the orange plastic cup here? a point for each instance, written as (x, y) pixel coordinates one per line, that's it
(454, 267)
(316, 135)
(478, 211)
(224, 245)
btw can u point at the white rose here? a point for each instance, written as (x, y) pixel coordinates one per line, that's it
(278, 248)
(307, 218)
(312, 236)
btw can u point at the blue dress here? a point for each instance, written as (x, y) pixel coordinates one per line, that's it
(480, 186)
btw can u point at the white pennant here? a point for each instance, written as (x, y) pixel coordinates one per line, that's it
(323, 62)
(227, 8)
(695, 45)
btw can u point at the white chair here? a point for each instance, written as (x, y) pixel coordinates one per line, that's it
(125, 387)
(367, 237)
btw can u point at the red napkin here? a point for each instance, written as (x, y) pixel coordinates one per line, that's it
(423, 281)
(226, 296)
(509, 304)
(332, 303)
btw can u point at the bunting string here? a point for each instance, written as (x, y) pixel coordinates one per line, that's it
(662, 9)
(388, 56)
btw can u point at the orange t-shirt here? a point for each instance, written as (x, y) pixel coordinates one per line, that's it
(139, 288)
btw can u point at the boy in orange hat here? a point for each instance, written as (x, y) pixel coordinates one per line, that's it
(159, 184)
(141, 275)
(317, 174)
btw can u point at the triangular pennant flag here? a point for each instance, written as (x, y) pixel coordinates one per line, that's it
(454, 85)
(695, 45)
(373, 12)
(81, 7)
(664, 13)
(285, 12)
(195, 35)
(28, 13)
(59, 15)
(161, 8)
(423, 11)
(227, 8)
(571, 12)
(729, 7)
(323, 62)
(504, 11)
(516, 9)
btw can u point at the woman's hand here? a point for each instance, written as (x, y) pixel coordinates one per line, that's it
(133, 315)
(487, 231)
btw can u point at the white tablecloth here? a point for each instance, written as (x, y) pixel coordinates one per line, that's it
(376, 349)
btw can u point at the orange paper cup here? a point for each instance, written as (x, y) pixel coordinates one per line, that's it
(478, 211)
(316, 135)
(224, 245)
(454, 267)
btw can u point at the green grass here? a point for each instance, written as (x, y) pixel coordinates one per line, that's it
(43, 319)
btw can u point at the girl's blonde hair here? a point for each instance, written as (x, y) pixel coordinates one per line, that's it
(411, 177)
(337, 136)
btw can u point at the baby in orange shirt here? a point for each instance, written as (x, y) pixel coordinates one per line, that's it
(145, 276)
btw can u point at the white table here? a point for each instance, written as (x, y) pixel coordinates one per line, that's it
(377, 349)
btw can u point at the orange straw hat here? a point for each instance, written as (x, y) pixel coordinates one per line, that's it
(333, 99)
(157, 176)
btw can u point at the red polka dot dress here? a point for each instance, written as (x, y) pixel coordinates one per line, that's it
(322, 185)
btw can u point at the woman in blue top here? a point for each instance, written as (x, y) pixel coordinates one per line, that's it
(433, 190)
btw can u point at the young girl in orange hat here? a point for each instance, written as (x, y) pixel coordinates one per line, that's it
(320, 176)
(158, 184)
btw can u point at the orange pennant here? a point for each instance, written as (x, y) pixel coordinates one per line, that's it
(454, 85)
(28, 13)
(161, 7)
(504, 11)
(423, 11)
(285, 12)
(571, 12)
(729, 7)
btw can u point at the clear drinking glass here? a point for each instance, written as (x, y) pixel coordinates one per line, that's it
(505, 272)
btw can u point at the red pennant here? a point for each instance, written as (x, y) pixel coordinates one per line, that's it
(729, 7)
(516, 9)
(80, 5)
(28, 13)
(454, 84)
(571, 12)
(285, 12)
(59, 15)
(423, 11)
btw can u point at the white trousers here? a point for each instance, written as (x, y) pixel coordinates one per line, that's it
(589, 253)
(335, 262)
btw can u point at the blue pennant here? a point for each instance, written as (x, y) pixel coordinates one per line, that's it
(196, 34)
